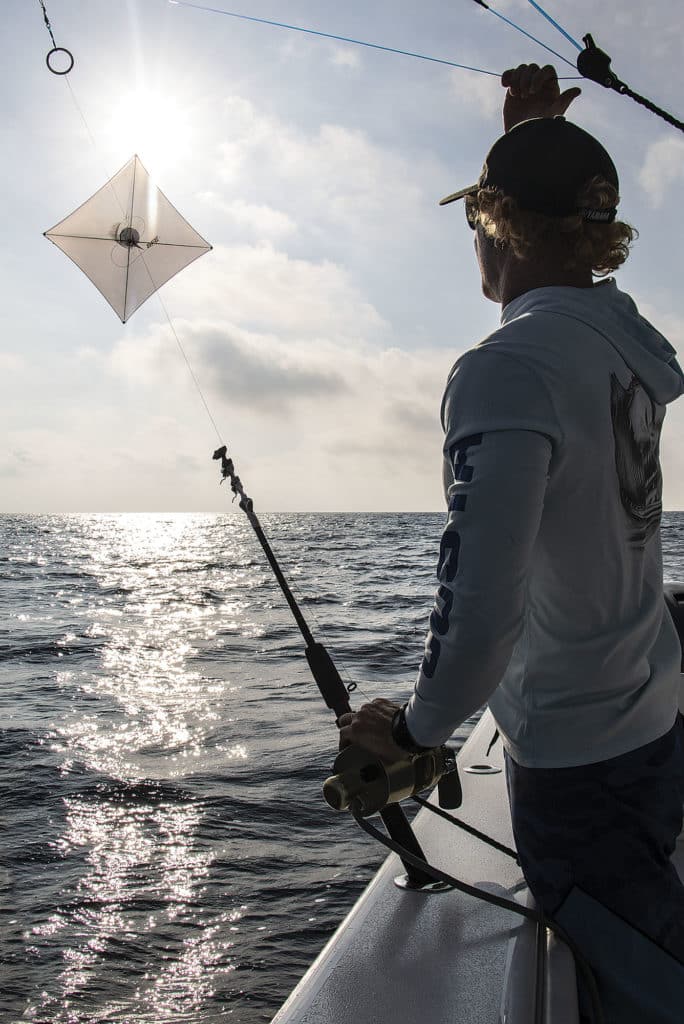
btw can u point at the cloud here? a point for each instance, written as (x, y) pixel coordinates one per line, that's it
(251, 371)
(345, 57)
(17, 462)
(263, 289)
(355, 426)
(335, 176)
(263, 220)
(663, 165)
(11, 363)
(480, 95)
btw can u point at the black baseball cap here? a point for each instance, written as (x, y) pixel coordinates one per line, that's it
(543, 164)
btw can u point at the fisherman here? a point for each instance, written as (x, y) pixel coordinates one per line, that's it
(550, 602)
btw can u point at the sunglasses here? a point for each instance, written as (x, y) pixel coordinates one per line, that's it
(472, 210)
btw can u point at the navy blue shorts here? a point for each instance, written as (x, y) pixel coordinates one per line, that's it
(609, 829)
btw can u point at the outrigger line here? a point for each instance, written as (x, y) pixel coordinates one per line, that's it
(372, 46)
(326, 35)
(497, 14)
(592, 63)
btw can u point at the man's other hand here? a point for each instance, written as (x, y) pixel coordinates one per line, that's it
(533, 92)
(371, 728)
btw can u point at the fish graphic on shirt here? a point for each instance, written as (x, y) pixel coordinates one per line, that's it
(637, 423)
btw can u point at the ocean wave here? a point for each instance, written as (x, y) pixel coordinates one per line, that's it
(161, 776)
(38, 651)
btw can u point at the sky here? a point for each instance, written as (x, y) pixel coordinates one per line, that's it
(338, 294)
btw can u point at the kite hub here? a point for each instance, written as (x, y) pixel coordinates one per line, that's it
(129, 237)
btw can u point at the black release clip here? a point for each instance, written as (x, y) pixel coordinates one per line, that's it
(595, 64)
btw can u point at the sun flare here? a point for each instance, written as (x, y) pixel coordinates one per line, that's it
(153, 124)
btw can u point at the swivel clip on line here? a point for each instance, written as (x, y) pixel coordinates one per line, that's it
(57, 53)
(362, 783)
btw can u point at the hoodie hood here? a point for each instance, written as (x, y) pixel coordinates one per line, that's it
(614, 315)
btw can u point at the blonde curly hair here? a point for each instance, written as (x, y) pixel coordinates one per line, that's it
(571, 241)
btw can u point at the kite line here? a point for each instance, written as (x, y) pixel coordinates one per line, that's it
(592, 63)
(64, 72)
(184, 354)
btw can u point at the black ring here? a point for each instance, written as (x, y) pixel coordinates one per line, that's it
(59, 49)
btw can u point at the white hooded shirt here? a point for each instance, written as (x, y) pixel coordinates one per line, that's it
(550, 605)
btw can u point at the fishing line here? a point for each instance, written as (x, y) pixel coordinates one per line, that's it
(55, 48)
(497, 14)
(351, 684)
(184, 354)
(95, 147)
(329, 35)
(64, 73)
(149, 274)
(154, 285)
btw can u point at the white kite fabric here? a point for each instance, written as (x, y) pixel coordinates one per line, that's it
(128, 239)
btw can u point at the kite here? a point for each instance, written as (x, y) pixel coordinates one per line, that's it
(128, 239)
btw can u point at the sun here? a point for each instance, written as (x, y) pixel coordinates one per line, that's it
(154, 124)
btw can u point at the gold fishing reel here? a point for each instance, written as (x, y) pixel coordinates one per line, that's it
(364, 784)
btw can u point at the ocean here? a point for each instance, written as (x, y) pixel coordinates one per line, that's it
(166, 852)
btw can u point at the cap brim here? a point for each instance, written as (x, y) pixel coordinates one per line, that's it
(469, 191)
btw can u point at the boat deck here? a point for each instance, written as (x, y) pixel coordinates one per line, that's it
(403, 957)
(399, 953)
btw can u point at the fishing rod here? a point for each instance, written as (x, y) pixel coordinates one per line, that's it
(364, 782)
(361, 781)
(364, 785)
